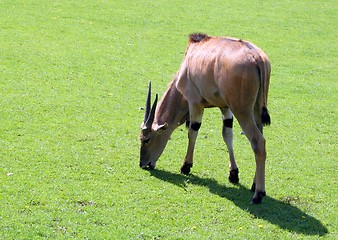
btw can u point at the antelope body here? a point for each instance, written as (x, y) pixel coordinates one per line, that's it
(227, 73)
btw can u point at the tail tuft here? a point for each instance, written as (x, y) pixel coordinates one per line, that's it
(266, 120)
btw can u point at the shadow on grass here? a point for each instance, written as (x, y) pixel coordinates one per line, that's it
(275, 211)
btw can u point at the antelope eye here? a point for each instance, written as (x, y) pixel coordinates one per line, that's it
(146, 140)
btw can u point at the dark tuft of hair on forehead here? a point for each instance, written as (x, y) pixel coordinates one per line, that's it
(198, 37)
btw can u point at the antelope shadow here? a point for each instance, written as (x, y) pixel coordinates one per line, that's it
(280, 213)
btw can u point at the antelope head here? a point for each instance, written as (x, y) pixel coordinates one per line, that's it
(152, 140)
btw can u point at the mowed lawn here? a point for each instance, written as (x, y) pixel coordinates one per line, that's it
(73, 78)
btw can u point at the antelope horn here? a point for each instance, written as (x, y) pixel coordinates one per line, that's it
(151, 117)
(146, 115)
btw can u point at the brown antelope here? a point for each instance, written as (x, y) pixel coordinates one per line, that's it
(227, 73)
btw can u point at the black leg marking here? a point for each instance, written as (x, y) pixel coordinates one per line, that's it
(195, 126)
(185, 169)
(233, 176)
(228, 122)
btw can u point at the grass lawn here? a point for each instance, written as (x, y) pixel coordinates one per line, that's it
(73, 75)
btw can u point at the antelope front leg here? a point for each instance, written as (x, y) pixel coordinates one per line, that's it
(194, 126)
(188, 161)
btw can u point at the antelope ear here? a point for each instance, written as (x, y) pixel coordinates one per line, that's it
(161, 128)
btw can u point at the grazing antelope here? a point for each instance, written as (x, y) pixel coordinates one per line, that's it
(227, 73)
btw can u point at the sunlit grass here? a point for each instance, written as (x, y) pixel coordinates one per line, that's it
(72, 79)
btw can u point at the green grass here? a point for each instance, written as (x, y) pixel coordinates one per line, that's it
(72, 78)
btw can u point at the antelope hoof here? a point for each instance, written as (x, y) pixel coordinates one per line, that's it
(257, 199)
(185, 169)
(151, 165)
(233, 176)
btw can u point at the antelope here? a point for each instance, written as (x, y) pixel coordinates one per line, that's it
(228, 73)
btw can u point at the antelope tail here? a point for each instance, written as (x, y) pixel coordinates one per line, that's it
(264, 72)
